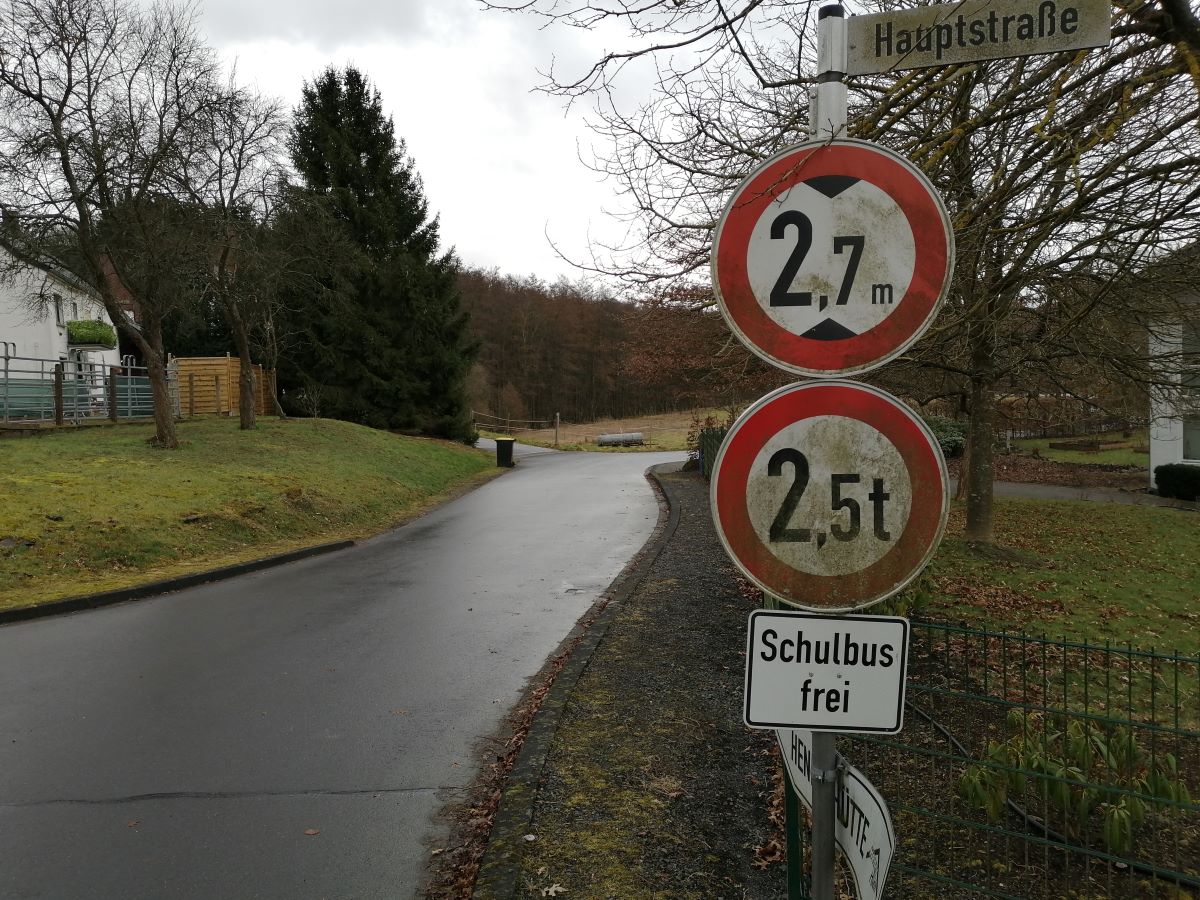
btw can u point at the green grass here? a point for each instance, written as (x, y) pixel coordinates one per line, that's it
(98, 508)
(1126, 455)
(1100, 571)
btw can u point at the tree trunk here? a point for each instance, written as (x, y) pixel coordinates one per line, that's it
(148, 340)
(978, 465)
(164, 413)
(960, 489)
(275, 394)
(247, 402)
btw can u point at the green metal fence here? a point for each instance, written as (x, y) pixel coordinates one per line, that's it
(1034, 768)
(39, 390)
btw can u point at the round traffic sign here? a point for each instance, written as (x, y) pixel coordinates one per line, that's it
(830, 495)
(832, 257)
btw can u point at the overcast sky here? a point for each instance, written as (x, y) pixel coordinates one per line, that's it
(500, 163)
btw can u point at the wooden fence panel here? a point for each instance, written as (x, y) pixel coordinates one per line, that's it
(209, 385)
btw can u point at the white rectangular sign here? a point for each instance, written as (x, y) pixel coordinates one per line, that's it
(862, 826)
(953, 33)
(828, 673)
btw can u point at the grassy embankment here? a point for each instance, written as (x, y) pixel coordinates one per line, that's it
(98, 508)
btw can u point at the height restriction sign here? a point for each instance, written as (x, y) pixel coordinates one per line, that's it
(832, 257)
(830, 495)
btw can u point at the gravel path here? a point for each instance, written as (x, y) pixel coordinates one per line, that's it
(652, 786)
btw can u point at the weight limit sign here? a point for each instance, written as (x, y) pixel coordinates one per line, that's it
(832, 258)
(830, 495)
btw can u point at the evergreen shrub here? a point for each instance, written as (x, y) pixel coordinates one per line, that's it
(950, 434)
(1178, 480)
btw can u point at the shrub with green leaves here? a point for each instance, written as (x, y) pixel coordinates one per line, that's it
(951, 435)
(87, 331)
(1101, 782)
(1178, 480)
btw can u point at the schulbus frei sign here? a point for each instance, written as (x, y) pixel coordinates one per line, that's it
(832, 257)
(830, 495)
(828, 673)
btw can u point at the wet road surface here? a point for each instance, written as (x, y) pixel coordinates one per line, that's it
(181, 747)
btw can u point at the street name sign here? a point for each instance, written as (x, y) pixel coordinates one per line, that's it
(956, 33)
(862, 826)
(832, 257)
(827, 673)
(830, 495)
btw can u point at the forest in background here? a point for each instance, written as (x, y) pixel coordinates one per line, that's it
(571, 349)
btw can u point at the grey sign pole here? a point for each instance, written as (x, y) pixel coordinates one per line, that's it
(827, 121)
(824, 793)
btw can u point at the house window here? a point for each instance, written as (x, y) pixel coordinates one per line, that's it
(74, 311)
(1191, 439)
(58, 309)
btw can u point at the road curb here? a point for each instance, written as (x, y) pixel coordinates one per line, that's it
(154, 588)
(501, 863)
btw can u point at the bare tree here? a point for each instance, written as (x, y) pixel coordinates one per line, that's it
(229, 176)
(1063, 174)
(97, 100)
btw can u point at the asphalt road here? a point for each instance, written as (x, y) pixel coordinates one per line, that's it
(183, 746)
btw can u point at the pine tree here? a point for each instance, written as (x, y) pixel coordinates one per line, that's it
(393, 352)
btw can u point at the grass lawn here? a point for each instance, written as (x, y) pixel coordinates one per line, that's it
(1100, 571)
(1123, 451)
(94, 509)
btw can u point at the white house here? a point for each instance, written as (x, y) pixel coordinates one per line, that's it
(1175, 408)
(38, 304)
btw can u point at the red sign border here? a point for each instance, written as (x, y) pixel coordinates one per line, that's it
(932, 270)
(793, 403)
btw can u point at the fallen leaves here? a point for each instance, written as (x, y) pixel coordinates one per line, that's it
(312, 831)
(999, 600)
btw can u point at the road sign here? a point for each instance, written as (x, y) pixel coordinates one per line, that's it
(829, 673)
(830, 495)
(953, 33)
(862, 826)
(832, 257)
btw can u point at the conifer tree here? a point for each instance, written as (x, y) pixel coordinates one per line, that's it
(393, 353)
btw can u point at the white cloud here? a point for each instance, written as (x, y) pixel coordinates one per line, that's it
(499, 161)
(320, 22)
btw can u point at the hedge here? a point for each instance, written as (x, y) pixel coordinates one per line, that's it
(1178, 480)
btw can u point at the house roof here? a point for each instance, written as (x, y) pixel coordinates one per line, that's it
(50, 266)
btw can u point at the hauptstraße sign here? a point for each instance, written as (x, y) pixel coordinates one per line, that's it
(955, 33)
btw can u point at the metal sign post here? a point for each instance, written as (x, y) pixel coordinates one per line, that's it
(830, 123)
(831, 259)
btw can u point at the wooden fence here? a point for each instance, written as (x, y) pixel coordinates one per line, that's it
(209, 385)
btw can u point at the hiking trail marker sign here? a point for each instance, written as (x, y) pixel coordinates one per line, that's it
(863, 827)
(830, 495)
(832, 257)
